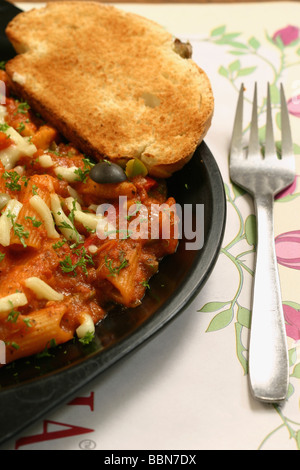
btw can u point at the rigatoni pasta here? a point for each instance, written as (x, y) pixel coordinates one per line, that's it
(63, 262)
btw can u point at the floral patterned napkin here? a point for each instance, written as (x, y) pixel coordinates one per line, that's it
(264, 54)
(188, 389)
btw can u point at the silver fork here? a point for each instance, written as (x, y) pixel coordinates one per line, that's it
(263, 177)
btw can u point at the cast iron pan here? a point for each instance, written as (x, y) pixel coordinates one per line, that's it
(28, 392)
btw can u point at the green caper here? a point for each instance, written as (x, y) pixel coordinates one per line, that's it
(135, 167)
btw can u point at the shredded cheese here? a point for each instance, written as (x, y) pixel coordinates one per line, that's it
(64, 224)
(73, 193)
(12, 209)
(42, 289)
(93, 249)
(44, 212)
(93, 207)
(13, 300)
(67, 174)
(87, 326)
(46, 161)
(71, 203)
(21, 146)
(94, 222)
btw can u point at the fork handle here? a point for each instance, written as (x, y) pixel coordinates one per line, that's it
(268, 355)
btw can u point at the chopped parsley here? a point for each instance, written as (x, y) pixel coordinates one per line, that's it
(55, 152)
(64, 224)
(137, 207)
(2, 64)
(13, 314)
(13, 344)
(83, 259)
(115, 270)
(49, 345)
(71, 215)
(83, 173)
(27, 322)
(35, 223)
(18, 229)
(23, 107)
(57, 245)
(12, 180)
(145, 284)
(21, 127)
(4, 127)
(87, 338)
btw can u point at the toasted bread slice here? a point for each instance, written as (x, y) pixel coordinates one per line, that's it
(112, 82)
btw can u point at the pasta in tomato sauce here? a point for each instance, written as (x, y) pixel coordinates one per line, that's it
(59, 268)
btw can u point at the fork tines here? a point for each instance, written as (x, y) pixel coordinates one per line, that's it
(254, 144)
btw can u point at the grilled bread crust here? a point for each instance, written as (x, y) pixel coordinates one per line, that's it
(111, 82)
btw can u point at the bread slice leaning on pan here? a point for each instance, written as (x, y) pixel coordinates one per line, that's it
(115, 84)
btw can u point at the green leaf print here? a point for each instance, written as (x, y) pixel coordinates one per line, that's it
(244, 316)
(250, 229)
(213, 306)
(253, 42)
(221, 320)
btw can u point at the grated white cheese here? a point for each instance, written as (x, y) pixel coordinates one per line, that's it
(12, 301)
(73, 193)
(12, 209)
(87, 326)
(64, 224)
(20, 147)
(42, 289)
(67, 174)
(44, 212)
(93, 221)
(71, 203)
(46, 161)
(93, 249)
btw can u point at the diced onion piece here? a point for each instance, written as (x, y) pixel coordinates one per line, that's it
(44, 212)
(67, 174)
(62, 221)
(42, 289)
(12, 301)
(87, 326)
(12, 209)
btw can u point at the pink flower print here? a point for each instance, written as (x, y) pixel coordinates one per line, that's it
(292, 318)
(288, 191)
(287, 34)
(287, 246)
(293, 105)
